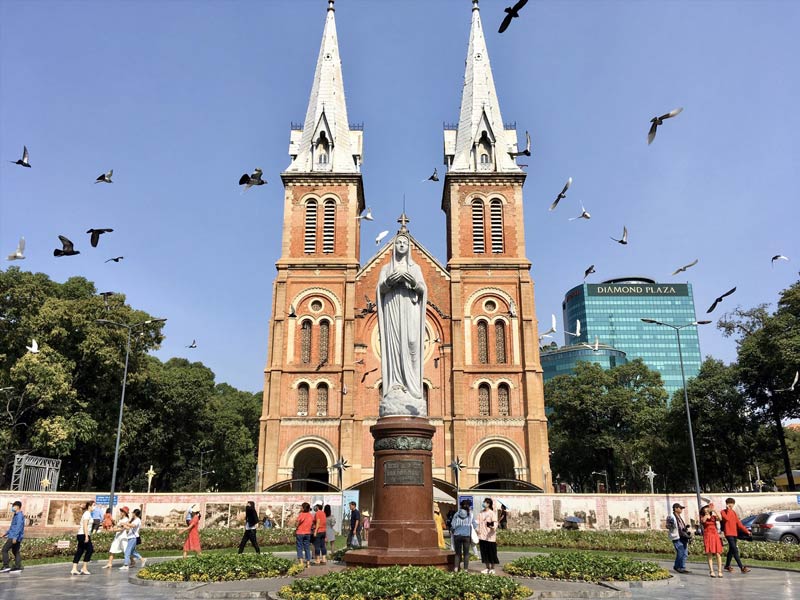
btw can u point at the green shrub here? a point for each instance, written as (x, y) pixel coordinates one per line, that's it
(580, 566)
(404, 583)
(221, 567)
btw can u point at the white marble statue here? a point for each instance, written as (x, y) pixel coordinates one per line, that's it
(402, 298)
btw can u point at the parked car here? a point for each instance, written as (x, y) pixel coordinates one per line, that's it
(777, 526)
(747, 522)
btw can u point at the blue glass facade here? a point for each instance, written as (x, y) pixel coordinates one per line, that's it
(561, 361)
(612, 312)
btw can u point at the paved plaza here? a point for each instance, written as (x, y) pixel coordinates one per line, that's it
(53, 581)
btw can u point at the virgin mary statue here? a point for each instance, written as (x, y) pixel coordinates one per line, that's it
(402, 297)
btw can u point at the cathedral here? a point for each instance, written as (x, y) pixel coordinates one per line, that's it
(482, 375)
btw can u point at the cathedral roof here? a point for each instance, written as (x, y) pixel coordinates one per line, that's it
(377, 259)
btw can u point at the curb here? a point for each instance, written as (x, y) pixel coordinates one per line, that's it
(637, 585)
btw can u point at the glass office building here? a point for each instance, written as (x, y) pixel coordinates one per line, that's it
(561, 361)
(612, 312)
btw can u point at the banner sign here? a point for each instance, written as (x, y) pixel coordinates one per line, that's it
(637, 289)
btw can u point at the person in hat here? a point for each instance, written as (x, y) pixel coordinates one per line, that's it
(120, 540)
(189, 512)
(365, 523)
(439, 521)
(680, 535)
(731, 526)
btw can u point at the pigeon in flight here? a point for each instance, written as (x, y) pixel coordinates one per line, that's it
(19, 253)
(96, 233)
(371, 306)
(552, 326)
(684, 267)
(778, 257)
(254, 178)
(595, 347)
(24, 160)
(193, 344)
(292, 314)
(366, 216)
(577, 329)
(589, 271)
(380, 237)
(433, 177)
(67, 248)
(718, 300)
(584, 214)
(360, 361)
(561, 195)
(33, 348)
(116, 259)
(656, 121)
(527, 151)
(794, 383)
(624, 239)
(512, 309)
(513, 13)
(105, 177)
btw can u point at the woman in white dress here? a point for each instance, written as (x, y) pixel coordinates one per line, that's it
(121, 539)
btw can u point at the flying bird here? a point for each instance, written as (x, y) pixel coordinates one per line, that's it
(24, 160)
(19, 253)
(589, 271)
(321, 364)
(380, 237)
(254, 178)
(778, 257)
(513, 13)
(193, 344)
(684, 267)
(718, 300)
(116, 259)
(371, 306)
(33, 348)
(577, 329)
(360, 361)
(596, 346)
(794, 383)
(624, 239)
(292, 314)
(96, 233)
(512, 309)
(656, 121)
(561, 195)
(67, 248)
(527, 151)
(552, 327)
(367, 216)
(433, 177)
(344, 389)
(584, 214)
(105, 177)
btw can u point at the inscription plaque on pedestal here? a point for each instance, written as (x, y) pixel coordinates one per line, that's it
(403, 472)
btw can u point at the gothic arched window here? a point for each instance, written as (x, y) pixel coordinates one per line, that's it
(322, 399)
(322, 149)
(305, 342)
(496, 222)
(483, 343)
(483, 400)
(328, 226)
(478, 239)
(502, 400)
(500, 342)
(324, 341)
(310, 238)
(302, 399)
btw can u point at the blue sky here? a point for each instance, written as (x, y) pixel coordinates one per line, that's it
(181, 98)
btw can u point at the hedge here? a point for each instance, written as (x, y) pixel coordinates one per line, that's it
(580, 566)
(221, 567)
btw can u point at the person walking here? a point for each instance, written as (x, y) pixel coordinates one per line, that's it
(132, 528)
(330, 529)
(14, 535)
(437, 519)
(461, 527)
(355, 526)
(250, 527)
(319, 533)
(192, 543)
(731, 526)
(711, 539)
(487, 536)
(680, 536)
(302, 534)
(502, 516)
(120, 539)
(85, 548)
(97, 518)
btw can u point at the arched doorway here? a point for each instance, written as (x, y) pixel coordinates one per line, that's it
(311, 465)
(496, 463)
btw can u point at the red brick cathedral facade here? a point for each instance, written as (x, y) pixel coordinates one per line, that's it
(482, 374)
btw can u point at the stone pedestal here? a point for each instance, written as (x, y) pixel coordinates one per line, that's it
(402, 530)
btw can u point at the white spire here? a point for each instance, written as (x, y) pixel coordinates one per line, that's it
(480, 143)
(326, 142)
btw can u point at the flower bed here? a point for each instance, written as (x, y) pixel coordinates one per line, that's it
(579, 566)
(221, 567)
(404, 583)
(651, 542)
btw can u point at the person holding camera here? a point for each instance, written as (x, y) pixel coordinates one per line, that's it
(487, 536)
(680, 535)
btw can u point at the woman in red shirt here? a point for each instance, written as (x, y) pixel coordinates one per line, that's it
(302, 534)
(319, 533)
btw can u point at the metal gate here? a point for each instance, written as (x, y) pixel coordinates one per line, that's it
(35, 473)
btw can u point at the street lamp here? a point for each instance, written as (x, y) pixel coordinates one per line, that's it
(202, 473)
(129, 327)
(677, 329)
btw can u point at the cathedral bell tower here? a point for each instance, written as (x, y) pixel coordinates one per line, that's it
(310, 353)
(497, 390)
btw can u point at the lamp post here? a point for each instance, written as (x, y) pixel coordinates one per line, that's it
(129, 327)
(202, 452)
(677, 329)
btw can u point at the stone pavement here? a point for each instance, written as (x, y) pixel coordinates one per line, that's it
(53, 581)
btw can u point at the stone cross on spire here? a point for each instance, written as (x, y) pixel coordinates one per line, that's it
(403, 220)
